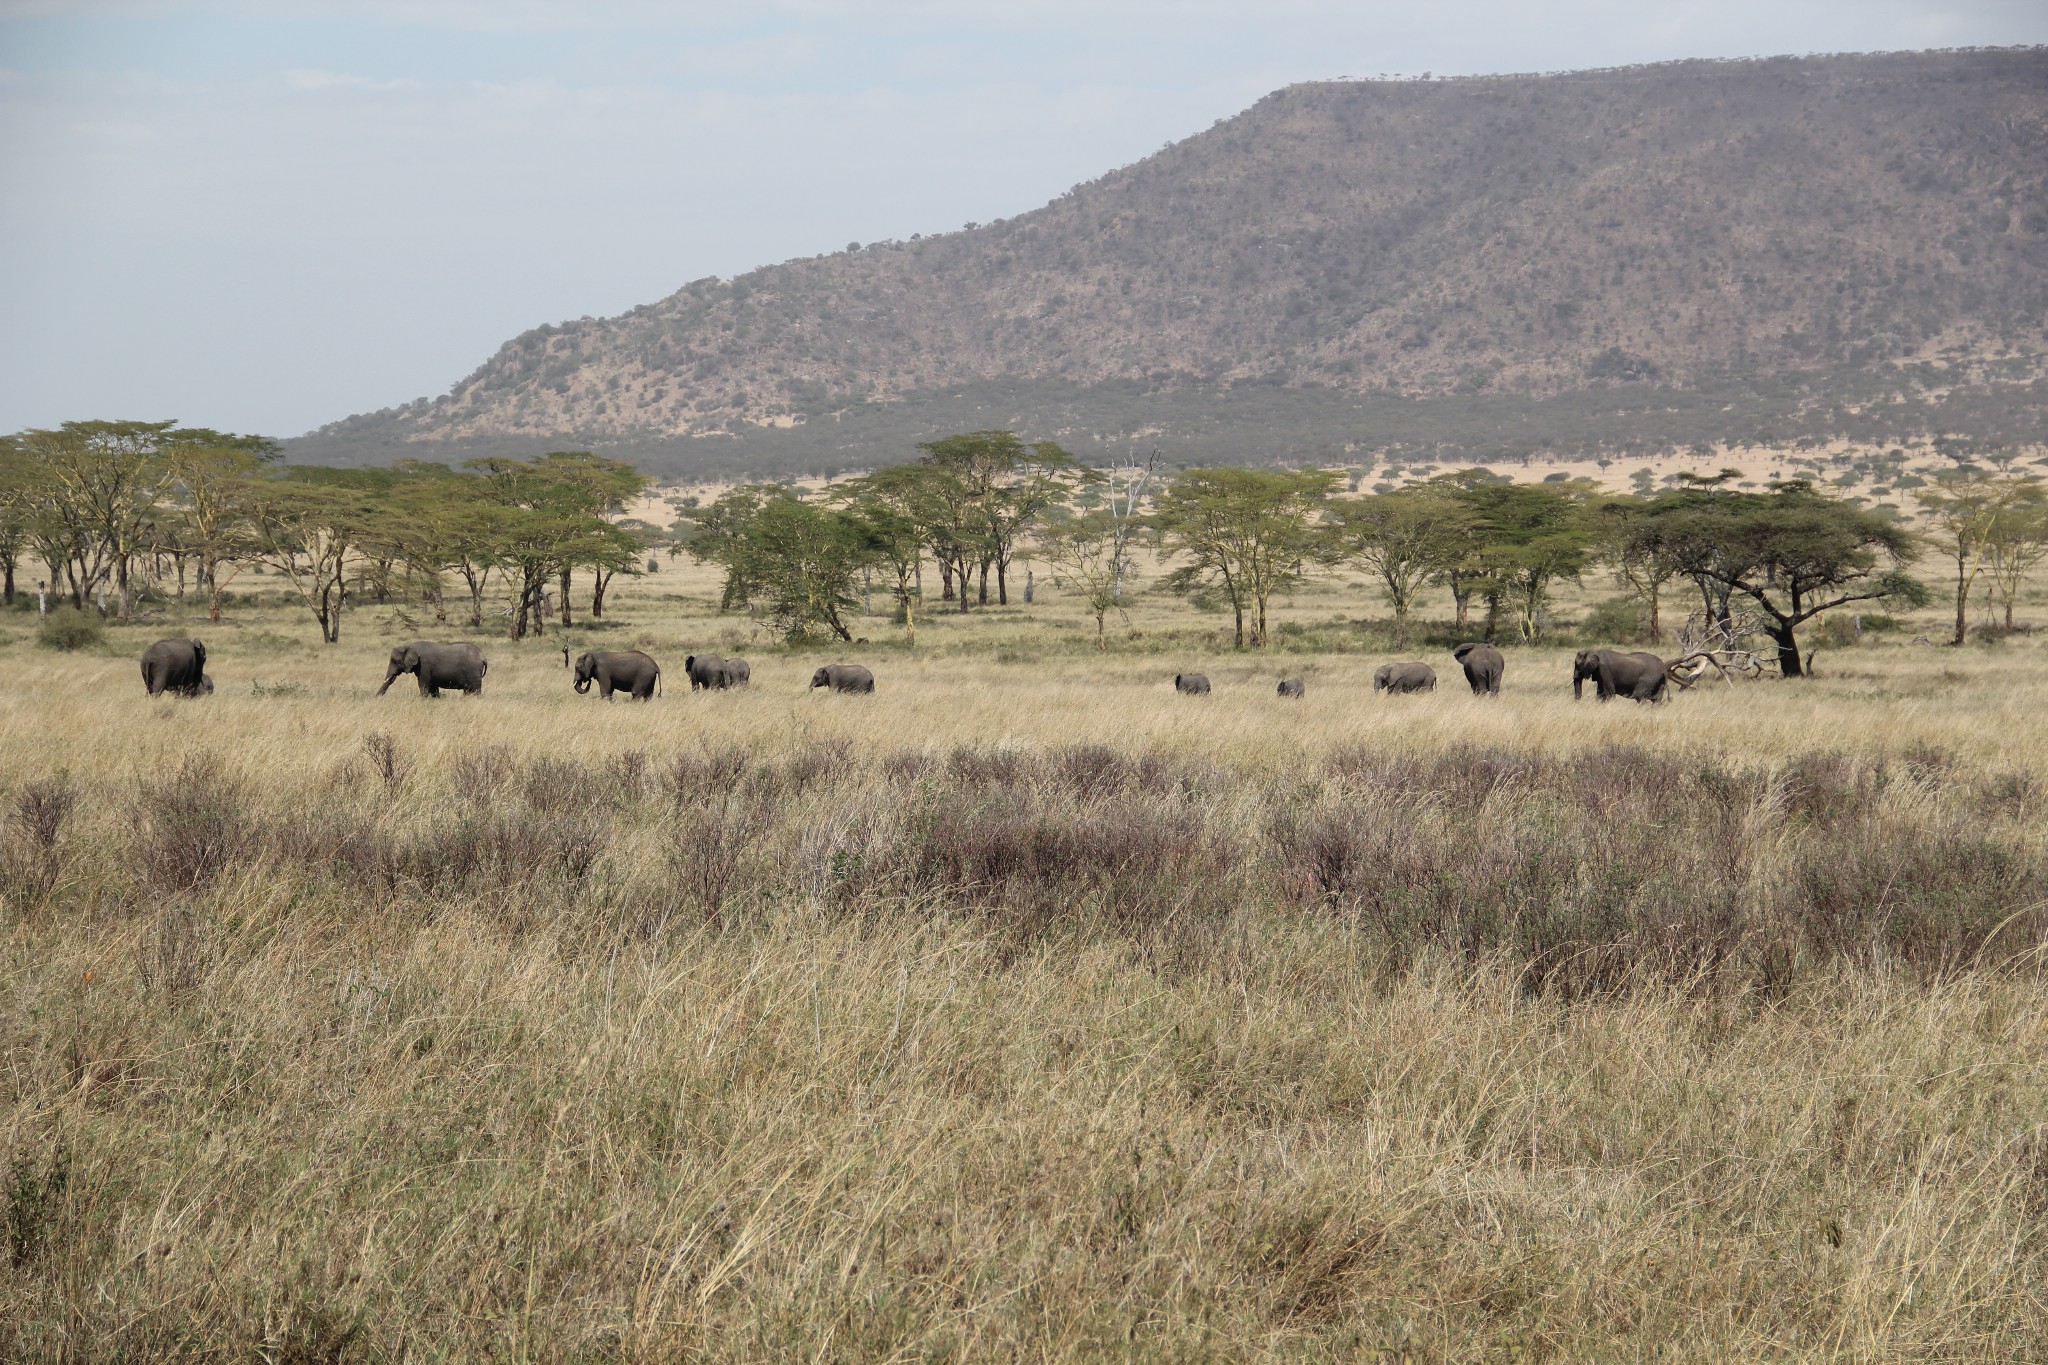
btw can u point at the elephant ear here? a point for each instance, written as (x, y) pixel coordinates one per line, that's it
(199, 653)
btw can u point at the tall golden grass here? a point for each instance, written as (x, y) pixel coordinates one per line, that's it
(1021, 1010)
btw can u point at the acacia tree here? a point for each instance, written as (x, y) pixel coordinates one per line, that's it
(99, 487)
(1251, 532)
(217, 482)
(1792, 551)
(1631, 543)
(1089, 552)
(895, 505)
(2018, 541)
(1522, 537)
(1964, 514)
(996, 487)
(313, 525)
(1404, 538)
(17, 493)
(798, 559)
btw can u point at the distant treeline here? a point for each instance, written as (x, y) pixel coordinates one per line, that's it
(1990, 405)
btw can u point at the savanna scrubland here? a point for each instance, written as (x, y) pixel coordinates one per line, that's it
(1023, 1009)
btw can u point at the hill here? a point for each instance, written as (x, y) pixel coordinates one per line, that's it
(1671, 255)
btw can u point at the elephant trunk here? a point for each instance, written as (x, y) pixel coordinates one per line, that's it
(582, 685)
(390, 677)
(1578, 685)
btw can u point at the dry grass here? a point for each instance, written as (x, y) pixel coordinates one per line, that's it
(1023, 1009)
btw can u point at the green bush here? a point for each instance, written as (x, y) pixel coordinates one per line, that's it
(69, 628)
(1614, 620)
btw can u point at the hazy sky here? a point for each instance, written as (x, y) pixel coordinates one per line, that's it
(265, 216)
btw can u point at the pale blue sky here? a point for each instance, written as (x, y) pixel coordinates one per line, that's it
(265, 216)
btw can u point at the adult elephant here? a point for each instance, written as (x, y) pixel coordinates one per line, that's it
(1194, 684)
(735, 673)
(1483, 666)
(437, 666)
(705, 670)
(176, 666)
(1404, 678)
(844, 678)
(1639, 675)
(627, 669)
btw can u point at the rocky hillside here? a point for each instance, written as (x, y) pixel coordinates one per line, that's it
(1502, 243)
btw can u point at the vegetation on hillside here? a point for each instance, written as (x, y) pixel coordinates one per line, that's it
(1804, 236)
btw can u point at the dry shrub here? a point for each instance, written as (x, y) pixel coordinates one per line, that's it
(481, 774)
(174, 952)
(1133, 862)
(194, 826)
(709, 842)
(385, 759)
(40, 809)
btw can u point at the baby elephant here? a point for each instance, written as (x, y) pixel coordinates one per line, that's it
(177, 666)
(1194, 684)
(705, 670)
(628, 669)
(1293, 687)
(844, 678)
(735, 673)
(1410, 677)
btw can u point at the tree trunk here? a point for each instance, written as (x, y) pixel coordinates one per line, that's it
(1962, 603)
(946, 580)
(1656, 630)
(1002, 581)
(121, 587)
(7, 564)
(566, 621)
(982, 596)
(600, 580)
(1788, 651)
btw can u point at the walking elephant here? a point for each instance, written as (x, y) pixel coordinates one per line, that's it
(176, 666)
(1293, 687)
(705, 671)
(1638, 675)
(437, 666)
(612, 671)
(844, 678)
(1483, 666)
(1404, 678)
(735, 673)
(1193, 684)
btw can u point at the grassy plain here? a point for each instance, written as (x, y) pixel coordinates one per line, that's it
(1022, 1010)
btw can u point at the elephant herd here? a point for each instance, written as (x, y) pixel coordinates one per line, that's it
(179, 667)
(1613, 673)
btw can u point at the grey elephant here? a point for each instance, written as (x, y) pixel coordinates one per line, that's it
(1194, 684)
(844, 678)
(1293, 687)
(1637, 675)
(1483, 666)
(176, 666)
(437, 666)
(705, 671)
(1404, 678)
(735, 673)
(612, 671)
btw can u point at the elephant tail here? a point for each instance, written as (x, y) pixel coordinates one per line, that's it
(657, 680)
